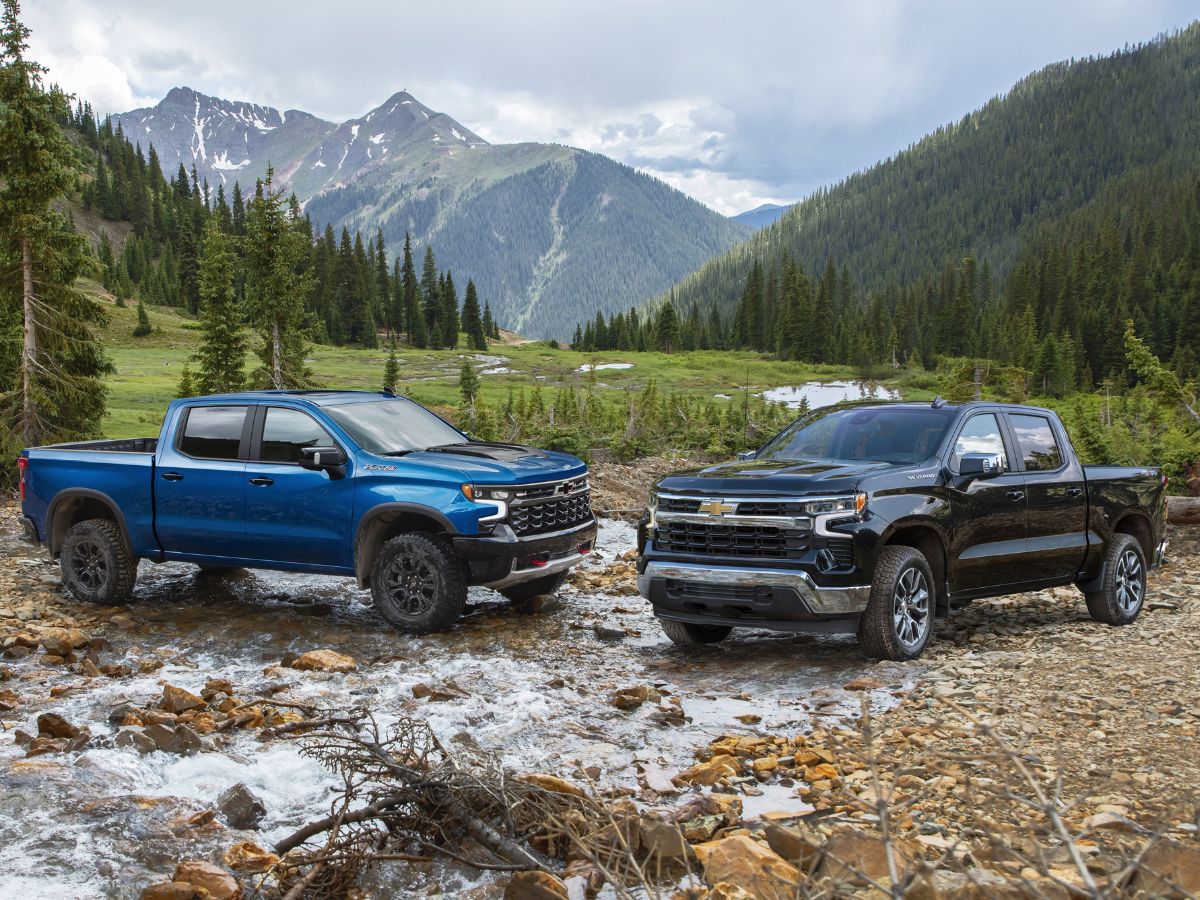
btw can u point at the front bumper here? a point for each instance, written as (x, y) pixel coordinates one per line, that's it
(781, 599)
(502, 559)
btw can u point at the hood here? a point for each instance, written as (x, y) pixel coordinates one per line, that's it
(486, 463)
(773, 476)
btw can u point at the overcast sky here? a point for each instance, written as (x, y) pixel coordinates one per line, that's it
(736, 103)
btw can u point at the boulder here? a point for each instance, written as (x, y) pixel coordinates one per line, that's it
(240, 808)
(792, 844)
(324, 660)
(1170, 868)
(219, 884)
(54, 725)
(135, 737)
(635, 696)
(249, 858)
(744, 863)
(535, 886)
(852, 855)
(172, 890)
(176, 700)
(179, 739)
(663, 840)
(439, 693)
(61, 641)
(215, 686)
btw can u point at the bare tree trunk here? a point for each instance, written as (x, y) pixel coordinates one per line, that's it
(29, 416)
(276, 358)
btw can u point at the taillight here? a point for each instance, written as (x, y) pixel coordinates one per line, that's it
(22, 465)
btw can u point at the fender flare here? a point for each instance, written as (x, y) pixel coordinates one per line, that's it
(367, 542)
(54, 534)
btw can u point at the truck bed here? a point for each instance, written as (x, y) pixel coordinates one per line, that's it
(123, 445)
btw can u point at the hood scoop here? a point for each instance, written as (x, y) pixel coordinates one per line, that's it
(503, 453)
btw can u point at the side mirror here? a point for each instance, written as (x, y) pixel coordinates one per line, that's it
(747, 454)
(322, 458)
(981, 465)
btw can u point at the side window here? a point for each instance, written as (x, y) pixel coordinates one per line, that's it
(286, 431)
(981, 434)
(1036, 441)
(213, 432)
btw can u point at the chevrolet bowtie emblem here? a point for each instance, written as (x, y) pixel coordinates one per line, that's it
(716, 507)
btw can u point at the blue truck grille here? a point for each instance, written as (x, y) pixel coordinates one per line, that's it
(555, 514)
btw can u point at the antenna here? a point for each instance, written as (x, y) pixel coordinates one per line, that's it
(938, 402)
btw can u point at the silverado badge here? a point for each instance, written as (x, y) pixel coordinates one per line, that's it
(716, 507)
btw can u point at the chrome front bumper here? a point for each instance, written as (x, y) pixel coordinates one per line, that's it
(825, 601)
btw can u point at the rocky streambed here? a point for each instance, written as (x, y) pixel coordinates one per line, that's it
(122, 732)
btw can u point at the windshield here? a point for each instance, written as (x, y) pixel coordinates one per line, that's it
(892, 434)
(393, 426)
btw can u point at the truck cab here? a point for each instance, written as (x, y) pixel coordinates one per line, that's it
(366, 485)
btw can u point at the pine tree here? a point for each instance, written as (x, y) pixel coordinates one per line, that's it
(449, 314)
(666, 327)
(472, 322)
(489, 324)
(187, 385)
(276, 286)
(54, 389)
(414, 319)
(222, 352)
(143, 326)
(431, 298)
(391, 370)
(468, 382)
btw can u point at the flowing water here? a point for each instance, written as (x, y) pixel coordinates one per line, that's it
(105, 821)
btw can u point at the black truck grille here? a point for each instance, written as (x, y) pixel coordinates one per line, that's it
(764, 542)
(556, 514)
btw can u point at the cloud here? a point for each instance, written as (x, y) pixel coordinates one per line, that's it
(736, 105)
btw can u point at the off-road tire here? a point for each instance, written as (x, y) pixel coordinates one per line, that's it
(418, 583)
(527, 590)
(688, 634)
(97, 564)
(898, 620)
(1122, 593)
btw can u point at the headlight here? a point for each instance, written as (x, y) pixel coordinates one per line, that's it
(852, 504)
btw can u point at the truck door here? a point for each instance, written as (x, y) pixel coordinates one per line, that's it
(1057, 498)
(200, 481)
(988, 515)
(296, 515)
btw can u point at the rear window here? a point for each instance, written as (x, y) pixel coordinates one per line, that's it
(1036, 441)
(213, 432)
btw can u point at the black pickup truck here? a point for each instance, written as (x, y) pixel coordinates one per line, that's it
(878, 518)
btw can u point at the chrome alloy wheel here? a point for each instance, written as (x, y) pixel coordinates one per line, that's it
(911, 607)
(1130, 582)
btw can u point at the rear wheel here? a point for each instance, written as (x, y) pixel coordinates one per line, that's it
(1123, 591)
(898, 619)
(689, 634)
(418, 583)
(527, 590)
(97, 564)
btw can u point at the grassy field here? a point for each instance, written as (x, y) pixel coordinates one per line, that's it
(148, 370)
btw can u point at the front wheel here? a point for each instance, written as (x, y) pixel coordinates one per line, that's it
(689, 634)
(97, 564)
(898, 619)
(418, 583)
(1123, 590)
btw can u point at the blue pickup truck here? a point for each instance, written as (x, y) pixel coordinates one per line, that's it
(350, 483)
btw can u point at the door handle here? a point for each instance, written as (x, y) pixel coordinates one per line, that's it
(1074, 491)
(262, 482)
(1015, 495)
(172, 476)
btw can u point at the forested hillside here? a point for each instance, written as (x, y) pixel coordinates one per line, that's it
(983, 185)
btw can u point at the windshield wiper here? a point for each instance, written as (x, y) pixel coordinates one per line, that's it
(397, 453)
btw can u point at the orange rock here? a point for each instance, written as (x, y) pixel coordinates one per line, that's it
(744, 863)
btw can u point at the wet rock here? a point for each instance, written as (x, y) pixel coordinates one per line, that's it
(135, 737)
(219, 884)
(55, 726)
(710, 772)
(439, 693)
(8, 700)
(215, 686)
(324, 661)
(552, 783)
(635, 696)
(535, 886)
(746, 864)
(172, 890)
(41, 745)
(249, 858)
(663, 840)
(17, 651)
(118, 714)
(22, 738)
(863, 683)
(180, 739)
(89, 668)
(61, 641)
(240, 807)
(608, 632)
(176, 700)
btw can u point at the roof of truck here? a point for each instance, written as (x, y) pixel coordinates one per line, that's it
(315, 397)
